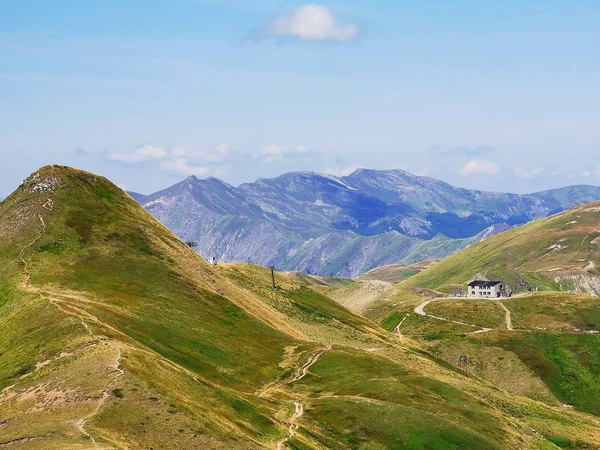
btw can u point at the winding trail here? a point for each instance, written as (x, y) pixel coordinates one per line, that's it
(306, 367)
(298, 406)
(420, 310)
(507, 317)
(27, 247)
(397, 327)
(81, 423)
(299, 412)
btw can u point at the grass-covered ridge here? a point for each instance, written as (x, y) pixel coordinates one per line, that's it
(115, 334)
(564, 247)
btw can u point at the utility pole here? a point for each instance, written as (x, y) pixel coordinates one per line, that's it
(273, 277)
(463, 363)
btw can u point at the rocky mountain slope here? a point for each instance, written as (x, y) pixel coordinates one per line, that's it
(561, 253)
(344, 226)
(114, 334)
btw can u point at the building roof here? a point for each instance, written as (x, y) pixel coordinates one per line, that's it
(485, 284)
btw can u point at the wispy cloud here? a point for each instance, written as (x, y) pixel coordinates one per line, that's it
(591, 172)
(219, 153)
(141, 154)
(469, 151)
(186, 161)
(523, 173)
(278, 153)
(479, 167)
(179, 160)
(183, 166)
(80, 151)
(311, 22)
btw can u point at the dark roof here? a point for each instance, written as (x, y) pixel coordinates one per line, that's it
(486, 284)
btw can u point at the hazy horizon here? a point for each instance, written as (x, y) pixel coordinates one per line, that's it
(497, 97)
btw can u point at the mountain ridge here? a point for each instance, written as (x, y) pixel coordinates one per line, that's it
(558, 253)
(306, 220)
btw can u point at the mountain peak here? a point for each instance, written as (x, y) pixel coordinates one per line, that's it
(51, 178)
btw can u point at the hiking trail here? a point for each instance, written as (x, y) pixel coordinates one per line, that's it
(299, 406)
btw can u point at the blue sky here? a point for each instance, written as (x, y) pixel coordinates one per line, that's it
(482, 94)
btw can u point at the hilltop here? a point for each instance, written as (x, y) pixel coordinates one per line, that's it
(345, 226)
(561, 253)
(114, 334)
(395, 273)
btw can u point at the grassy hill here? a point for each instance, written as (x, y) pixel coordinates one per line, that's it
(115, 335)
(394, 273)
(561, 252)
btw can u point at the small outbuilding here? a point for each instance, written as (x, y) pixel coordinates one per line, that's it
(488, 289)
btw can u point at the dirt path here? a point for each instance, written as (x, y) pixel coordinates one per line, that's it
(26, 271)
(397, 327)
(305, 368)
(299, 412)
(420, 310)
(81, 423)
(507, 317)
(299, 407)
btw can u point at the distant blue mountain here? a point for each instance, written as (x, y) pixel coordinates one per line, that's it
(344, 226)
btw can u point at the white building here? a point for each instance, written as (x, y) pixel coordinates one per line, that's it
(488, 289)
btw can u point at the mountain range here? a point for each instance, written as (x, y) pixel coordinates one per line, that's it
(557, 253)
(344, 226)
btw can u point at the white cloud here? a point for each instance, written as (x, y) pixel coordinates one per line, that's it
(479, 167)
(342, 171)
(591, 172)
(220, 153)
(523, 173)
(180, 160)
(142, 154)
(183, 166)
(186, 161)
(275, 152)
(312, 22)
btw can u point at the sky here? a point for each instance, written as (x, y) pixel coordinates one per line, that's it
(490, 95)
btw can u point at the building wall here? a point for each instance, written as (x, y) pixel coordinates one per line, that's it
(485, 292)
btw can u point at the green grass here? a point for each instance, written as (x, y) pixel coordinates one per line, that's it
(416, 325)
(528, 248)
(115, 251)
(391, 321)
(555, 310)
(25, 322)
(568, 364)
(484, 313)
(311, 302)
(362, 425)
(372, 394)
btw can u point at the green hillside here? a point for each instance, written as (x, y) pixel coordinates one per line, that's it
(115, 335)
(561, 252)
